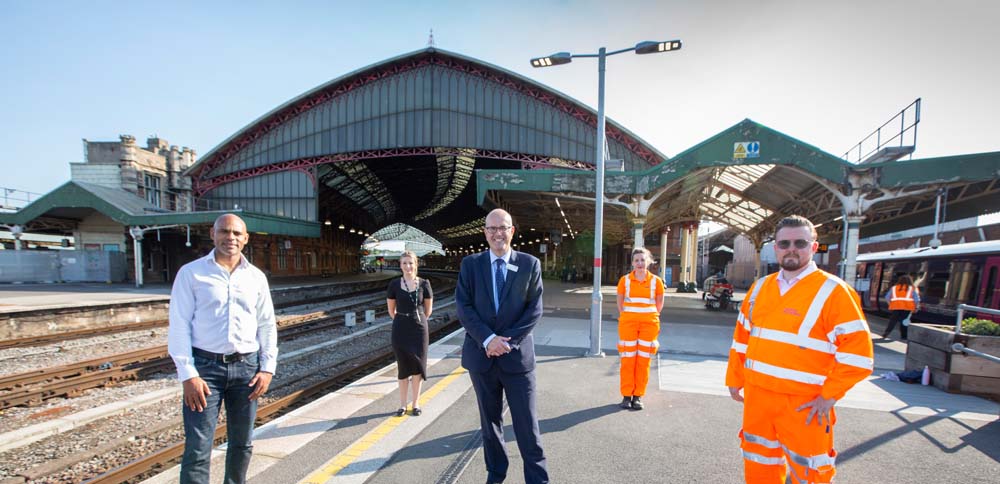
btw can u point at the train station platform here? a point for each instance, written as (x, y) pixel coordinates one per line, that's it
(887, 431)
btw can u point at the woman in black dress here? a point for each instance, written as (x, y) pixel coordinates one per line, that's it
(410, 301)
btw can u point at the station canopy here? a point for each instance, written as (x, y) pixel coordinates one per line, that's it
(747, 178)
(400, 142)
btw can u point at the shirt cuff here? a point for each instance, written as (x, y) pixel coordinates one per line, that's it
(488, 339)
(186, 372)
(268, 366)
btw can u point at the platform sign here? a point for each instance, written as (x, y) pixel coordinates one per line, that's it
(746, 149)
(542, 248)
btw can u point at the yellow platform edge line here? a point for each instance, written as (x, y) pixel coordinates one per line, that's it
(331, 467)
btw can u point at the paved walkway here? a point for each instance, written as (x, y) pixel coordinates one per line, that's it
(887, 431)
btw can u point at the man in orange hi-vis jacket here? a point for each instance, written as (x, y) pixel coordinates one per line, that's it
(640, 300)
(801, 342)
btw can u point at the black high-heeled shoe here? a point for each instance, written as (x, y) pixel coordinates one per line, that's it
(416, 411)
(401, 411)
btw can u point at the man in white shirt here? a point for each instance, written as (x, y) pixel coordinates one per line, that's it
(224, 341)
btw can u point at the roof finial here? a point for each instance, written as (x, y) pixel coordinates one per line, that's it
(430, 39)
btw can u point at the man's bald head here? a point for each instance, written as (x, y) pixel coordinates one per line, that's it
(229, 233)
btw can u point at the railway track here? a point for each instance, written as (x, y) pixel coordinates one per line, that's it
(45, 339)
(78, 334)
(356, 368)
(32, 388)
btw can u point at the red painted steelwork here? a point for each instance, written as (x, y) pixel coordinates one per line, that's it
(303, 164)
(421, 60)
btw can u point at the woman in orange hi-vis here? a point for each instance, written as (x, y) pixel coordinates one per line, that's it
(640, 300)
(904, 299)
(800, 343)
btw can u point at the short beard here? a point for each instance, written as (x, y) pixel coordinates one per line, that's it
(791, 264)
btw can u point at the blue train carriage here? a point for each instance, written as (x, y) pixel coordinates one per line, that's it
(947, 276)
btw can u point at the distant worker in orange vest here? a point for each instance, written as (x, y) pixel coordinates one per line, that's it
(904, 299)
(801, 342)
(640, 300)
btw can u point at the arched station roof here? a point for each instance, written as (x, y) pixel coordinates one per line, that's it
(748, 177)
(399, 141)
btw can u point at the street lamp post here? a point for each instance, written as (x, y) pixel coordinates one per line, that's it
(647, 47)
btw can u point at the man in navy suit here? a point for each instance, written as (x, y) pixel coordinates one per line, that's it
(499, 298)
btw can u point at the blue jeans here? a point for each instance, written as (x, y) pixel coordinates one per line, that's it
(230, 383)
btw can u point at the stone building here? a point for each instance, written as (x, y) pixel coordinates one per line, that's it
(152, 173)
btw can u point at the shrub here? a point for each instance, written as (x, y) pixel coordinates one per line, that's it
(980, 327)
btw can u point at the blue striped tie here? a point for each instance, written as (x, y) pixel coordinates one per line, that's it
(499, 279)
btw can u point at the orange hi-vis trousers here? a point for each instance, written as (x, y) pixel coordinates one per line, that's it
(636, 346)
(774, 435)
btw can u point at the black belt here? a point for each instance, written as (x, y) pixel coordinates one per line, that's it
(409, 315)
(219, 357)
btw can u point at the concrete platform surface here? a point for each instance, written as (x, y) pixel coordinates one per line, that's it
(887, 431)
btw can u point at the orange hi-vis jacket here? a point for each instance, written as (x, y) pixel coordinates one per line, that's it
(902, 299)
(640, 298)
(813, 340)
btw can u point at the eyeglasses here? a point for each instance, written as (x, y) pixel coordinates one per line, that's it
(502, 228)
(799, 244)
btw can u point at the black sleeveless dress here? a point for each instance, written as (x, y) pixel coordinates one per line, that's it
(409, 327)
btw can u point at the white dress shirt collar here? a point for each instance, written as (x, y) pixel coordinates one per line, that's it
(784, 285)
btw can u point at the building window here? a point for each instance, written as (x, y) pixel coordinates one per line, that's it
(153, 192)
(282, 261)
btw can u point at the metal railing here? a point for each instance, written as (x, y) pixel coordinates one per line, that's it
(959, 347)
(876, 136)
(12, 199)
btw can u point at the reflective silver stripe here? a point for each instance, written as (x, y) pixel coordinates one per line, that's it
(744, 321)
(739, 347)
(626, 354)
(646, 343)
(632, 309)
(847, 328)
(795, 476)
(907, 297)
(652, 291)
(814, 462)
(640, 300)
(756, 439)
(785, 373)
(855, 360)
(769, 461)
(794, 339)
(812, 315)
(753, 298)
(645, 355)
(627, 343)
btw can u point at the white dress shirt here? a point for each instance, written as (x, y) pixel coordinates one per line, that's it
(493, 283)
(784, 285)
(224, 313)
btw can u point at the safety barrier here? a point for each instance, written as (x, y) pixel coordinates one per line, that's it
(959, 347)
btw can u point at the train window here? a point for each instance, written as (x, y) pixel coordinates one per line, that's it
(963, 282)
(990, 286)
(937, 285)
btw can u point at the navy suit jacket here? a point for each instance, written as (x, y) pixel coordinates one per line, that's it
(520, 310)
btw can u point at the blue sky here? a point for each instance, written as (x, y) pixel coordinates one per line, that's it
(196, 72)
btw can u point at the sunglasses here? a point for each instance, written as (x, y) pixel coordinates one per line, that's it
(799, 244)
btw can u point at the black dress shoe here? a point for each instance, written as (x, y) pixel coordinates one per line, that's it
(626, 403)
(416, 411)
(400, 412)
(636, 403)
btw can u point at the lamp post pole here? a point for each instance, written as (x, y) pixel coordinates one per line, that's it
(597, 299)
(647, 47)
